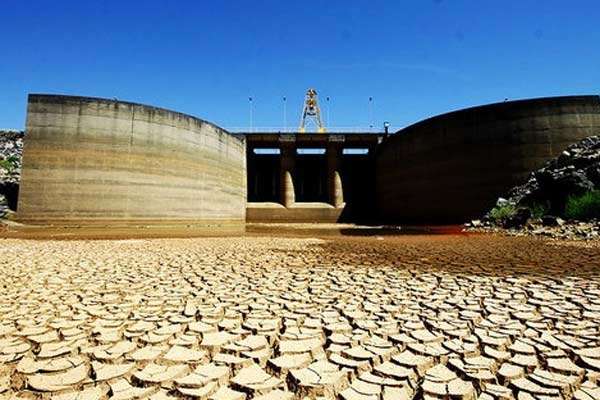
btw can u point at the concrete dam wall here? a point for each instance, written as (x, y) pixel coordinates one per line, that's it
(452, 167)
(91, 159)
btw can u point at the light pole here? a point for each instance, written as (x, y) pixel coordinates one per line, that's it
(251, 114)
(328, 116)
(284, 114)
(371, 113)
(386, 128)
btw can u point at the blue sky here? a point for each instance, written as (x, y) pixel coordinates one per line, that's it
(415, 58)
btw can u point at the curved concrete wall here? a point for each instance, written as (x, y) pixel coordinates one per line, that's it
(453, 167)
(90, 159)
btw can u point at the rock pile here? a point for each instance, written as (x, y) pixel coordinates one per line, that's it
(574, 172)
(11, 149)
(536, 206)
(3, 206)
(548, 226)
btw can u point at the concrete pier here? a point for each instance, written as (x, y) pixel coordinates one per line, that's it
(287, 162)
(334, 166)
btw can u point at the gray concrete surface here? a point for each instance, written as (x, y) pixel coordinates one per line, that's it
(452, 167)
(90, 160)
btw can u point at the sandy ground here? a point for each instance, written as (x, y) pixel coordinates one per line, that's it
(381, 317)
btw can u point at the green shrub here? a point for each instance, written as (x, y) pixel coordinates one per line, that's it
(9, 164)
(538, 210)
(501, 213)
(584, 207)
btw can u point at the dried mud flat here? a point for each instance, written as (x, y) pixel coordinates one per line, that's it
(416, 317)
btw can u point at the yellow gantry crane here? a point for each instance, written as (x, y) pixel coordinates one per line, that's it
(311, 110)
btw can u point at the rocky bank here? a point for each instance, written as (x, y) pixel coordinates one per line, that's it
(11, 149)
(561, 199)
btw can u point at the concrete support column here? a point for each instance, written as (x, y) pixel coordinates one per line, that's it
(287, 194)
(334, 178)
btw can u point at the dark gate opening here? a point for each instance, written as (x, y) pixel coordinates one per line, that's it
(358, 186)
(311, 178)
(263, 178)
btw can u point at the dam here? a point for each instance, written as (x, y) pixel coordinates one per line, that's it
(297, 310)
(101, 161)
(310, 177)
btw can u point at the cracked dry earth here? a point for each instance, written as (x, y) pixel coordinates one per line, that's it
(449, 317)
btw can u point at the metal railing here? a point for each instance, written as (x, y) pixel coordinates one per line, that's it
(279, 129)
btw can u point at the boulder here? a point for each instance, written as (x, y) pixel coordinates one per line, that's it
(593, 174)
(3, 206)
(518, 219)
(501, 202)
(551, 220)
